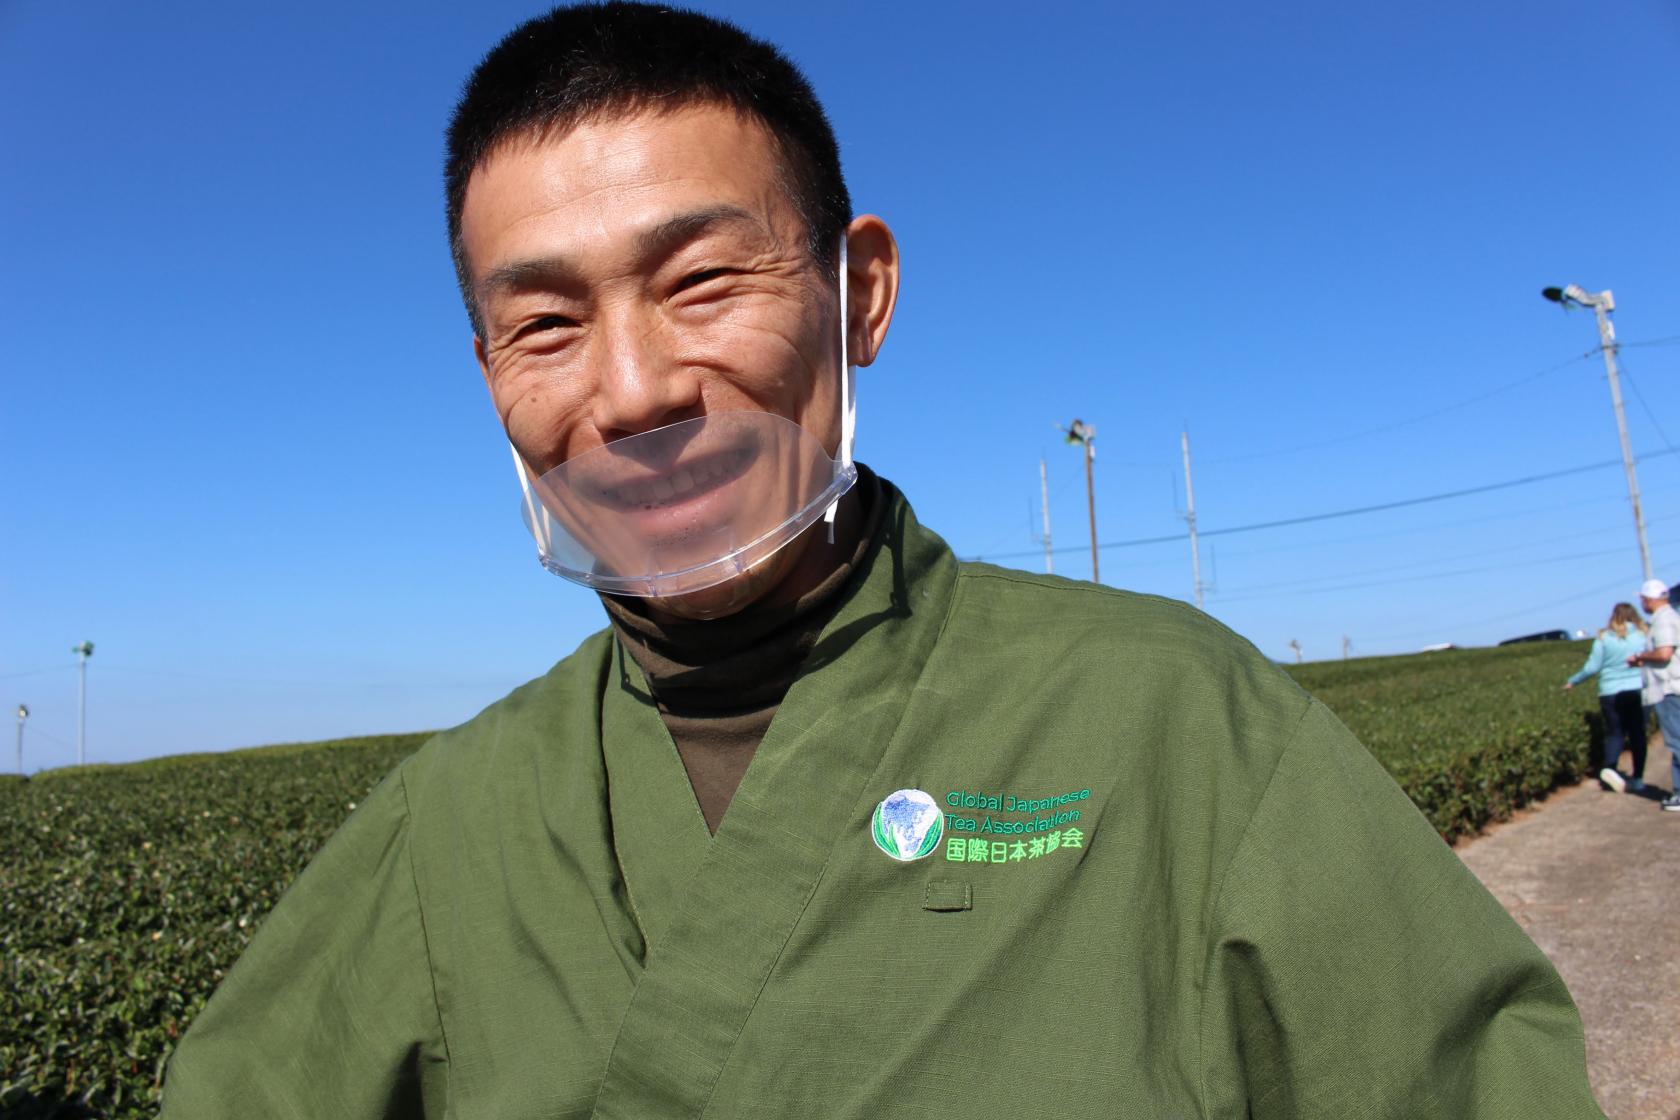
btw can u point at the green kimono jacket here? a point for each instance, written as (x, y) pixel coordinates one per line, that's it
(1162, 883)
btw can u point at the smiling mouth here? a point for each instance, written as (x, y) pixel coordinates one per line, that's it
(690, 481)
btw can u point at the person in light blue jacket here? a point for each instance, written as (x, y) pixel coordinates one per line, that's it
(1619, 686)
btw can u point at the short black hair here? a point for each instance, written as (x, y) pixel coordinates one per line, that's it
(589, 60)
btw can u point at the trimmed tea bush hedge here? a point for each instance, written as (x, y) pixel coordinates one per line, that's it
(129, 891)
(1470, 734)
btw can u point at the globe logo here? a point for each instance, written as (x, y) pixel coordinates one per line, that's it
(907, 825)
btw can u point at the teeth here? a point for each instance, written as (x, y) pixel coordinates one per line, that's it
(654, 491)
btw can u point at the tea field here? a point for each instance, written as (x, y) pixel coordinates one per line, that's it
(1470, 734)
(129, 890)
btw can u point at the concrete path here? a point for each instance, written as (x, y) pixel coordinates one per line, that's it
(1594, 877)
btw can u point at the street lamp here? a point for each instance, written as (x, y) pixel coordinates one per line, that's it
(82, 652)
(1085, 434)
(22, 714)
(1602, 304)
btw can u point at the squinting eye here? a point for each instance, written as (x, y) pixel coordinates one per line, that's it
(702, 277)
(547, 323)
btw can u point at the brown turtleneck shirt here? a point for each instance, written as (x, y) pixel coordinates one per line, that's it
(718, 683)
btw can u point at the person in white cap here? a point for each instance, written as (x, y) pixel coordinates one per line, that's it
(1662, 676)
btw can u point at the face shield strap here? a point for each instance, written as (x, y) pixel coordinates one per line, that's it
(536, 514)
(848, 396)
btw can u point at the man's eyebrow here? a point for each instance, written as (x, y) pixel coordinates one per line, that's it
(674, 231)
(522, 276)
(654, 242)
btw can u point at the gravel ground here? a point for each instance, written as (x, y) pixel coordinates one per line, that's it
(1594, 877)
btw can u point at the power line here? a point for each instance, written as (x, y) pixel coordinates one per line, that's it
(1246, 591)
(1404, 502)
(1056, 493)
(1418, 419)
(1238, 596)
(1434, 526)
(1379, 507)
(1603, 589)
(1499, 390)
(31, 673)
(36, 732)
(1133, 543)
(1648, 412)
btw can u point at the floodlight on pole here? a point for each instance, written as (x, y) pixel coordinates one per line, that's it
(82, 652)
(22, 714)
(1602, 304)
(1085, 435)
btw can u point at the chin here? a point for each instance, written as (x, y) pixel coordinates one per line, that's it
(733, 596)
(714, 602)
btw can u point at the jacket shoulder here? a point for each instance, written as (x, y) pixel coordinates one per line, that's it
(1148, 633)
(517, 723)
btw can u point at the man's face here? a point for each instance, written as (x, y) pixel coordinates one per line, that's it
(642, 270)
(1652, 606)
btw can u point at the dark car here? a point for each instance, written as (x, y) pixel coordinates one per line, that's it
(1542, 636)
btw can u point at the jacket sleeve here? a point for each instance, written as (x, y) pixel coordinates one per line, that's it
(1356, 968)
(330, 1011)
(1595, 662)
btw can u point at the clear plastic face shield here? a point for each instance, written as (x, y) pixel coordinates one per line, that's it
(692, 505)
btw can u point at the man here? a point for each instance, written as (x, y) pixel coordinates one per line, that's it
(1662, 677)
(826, 824)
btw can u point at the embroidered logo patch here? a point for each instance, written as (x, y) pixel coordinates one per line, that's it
(1015, 828)
(907, 825)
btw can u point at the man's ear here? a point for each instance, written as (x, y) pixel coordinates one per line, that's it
(872, 278)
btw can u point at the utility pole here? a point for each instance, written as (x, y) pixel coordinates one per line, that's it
(82, 652)
(1190, 517)
(1602, 304)
(1347, 647)
(1044, 504)
(1295, 645)
(22, 714)
(1086, 434)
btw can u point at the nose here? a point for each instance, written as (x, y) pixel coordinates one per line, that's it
(639, 383)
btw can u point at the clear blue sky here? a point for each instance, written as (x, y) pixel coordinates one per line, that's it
(244, 448)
